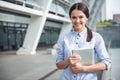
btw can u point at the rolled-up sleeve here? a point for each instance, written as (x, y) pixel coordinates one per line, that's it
(60, 55)
(102, 52)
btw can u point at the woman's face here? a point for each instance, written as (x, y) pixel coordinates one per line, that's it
(78, 19)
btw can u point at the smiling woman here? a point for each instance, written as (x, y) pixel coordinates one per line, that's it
(81, 37)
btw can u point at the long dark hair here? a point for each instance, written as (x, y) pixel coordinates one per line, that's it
(82, 7)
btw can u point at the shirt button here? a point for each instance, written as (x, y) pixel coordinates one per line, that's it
(74, 77)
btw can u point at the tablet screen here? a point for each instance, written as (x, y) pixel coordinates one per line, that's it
(87, 55)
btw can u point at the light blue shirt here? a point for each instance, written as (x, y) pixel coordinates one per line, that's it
(74, 40)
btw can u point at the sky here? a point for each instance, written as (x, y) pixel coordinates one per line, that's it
(112, 7)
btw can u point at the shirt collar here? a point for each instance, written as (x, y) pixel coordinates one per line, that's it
(81, 33)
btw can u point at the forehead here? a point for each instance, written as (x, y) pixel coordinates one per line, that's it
(77, 13)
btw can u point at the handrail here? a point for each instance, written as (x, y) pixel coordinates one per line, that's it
(48, 74)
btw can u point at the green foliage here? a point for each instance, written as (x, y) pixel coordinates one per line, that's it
(114, 23)
(104, 23)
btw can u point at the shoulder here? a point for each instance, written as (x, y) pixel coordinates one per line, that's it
(98, 38)
(65, 36)
(96, 35)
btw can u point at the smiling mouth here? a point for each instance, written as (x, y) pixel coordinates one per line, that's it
(77, 24)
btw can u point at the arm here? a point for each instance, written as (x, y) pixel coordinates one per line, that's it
(91, 68)
(95, 67)
(62, 64)
(101, 52)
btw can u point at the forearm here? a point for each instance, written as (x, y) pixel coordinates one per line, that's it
(63, 64)
(95, 67)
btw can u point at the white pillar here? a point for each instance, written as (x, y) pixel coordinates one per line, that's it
(34, 32)
(32, 36)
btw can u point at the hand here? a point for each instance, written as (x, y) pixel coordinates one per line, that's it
(74, 59)
(77, 68)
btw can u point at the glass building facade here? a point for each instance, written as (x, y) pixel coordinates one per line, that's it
(15, 20)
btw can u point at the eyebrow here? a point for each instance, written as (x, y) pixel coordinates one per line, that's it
(77, 16)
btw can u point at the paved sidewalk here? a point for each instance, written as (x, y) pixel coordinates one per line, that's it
(27, 67)
(38, 67)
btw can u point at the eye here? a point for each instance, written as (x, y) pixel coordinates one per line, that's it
(73, 17)
(81, 17)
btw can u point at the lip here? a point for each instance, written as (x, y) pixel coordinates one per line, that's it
(78, 24)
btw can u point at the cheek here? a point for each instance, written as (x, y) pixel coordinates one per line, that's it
(84, 20)
(73, 21)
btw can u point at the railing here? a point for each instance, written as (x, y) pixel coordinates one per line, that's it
(48, 74)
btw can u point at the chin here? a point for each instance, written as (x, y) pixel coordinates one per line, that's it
(77, 27)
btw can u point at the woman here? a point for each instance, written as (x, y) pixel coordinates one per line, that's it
(80, 37)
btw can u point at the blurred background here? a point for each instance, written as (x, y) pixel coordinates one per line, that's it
(32, 27)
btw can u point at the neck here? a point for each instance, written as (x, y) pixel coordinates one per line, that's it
(80, 30)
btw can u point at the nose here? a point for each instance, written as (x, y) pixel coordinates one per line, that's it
(77, 20)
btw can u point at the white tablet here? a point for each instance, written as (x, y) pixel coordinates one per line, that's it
(87, 55)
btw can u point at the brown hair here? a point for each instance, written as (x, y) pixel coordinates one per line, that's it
(82, 7)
